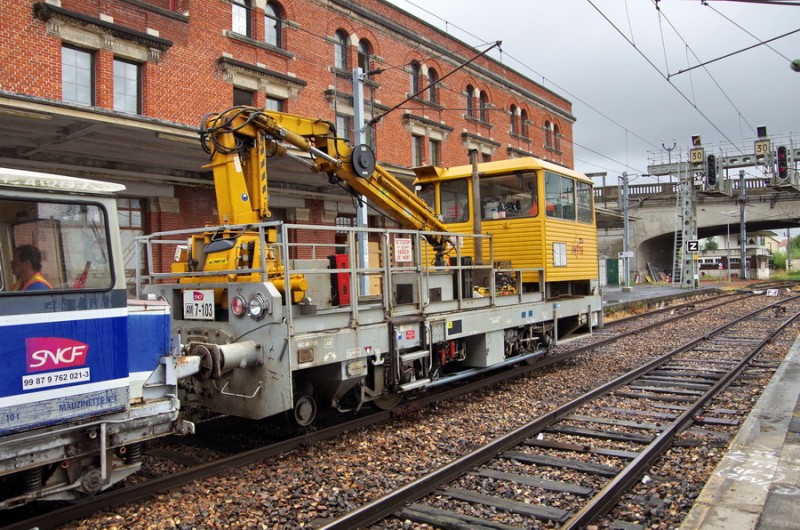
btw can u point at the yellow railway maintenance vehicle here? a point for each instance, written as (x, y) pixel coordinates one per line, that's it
(540, 217)
(284, 317)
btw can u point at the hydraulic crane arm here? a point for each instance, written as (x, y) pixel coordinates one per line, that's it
(242, 138)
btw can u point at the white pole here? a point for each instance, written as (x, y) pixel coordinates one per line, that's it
(361, 212)
(626, 264)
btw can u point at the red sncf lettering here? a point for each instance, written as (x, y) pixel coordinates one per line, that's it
(197, 296)
(49, 353)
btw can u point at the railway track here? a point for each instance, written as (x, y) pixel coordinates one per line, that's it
(604, 441)
(566, 352)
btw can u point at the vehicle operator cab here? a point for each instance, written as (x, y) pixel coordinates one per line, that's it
(52, 246)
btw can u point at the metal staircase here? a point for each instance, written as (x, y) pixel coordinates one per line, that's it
(684, 266)
(677, 248)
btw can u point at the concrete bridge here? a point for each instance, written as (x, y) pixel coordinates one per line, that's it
(655, 214)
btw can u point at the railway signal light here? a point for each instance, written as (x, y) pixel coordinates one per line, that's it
(711, 171)
(783, 162)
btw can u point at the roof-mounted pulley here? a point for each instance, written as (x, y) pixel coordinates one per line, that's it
(363, 160)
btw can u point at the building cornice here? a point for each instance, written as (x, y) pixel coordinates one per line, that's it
(46, 12)
(260, 71)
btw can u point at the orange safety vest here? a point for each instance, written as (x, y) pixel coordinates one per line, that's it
(36, 278)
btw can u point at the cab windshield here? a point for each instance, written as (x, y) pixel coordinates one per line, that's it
(65, 244)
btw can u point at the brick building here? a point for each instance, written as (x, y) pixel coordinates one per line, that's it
(115, 89)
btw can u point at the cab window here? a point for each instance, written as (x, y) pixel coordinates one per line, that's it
(560, 193)
(511, 195)
(65, 244)
(427, 192)
(454, 196)
(585, 195)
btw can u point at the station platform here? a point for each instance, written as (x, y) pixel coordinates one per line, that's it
(756, 486)
(757, 483)
(616, 297)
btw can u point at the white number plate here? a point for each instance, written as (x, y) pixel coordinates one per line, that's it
(198, 304)
(63, 377)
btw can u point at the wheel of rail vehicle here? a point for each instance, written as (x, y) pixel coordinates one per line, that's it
(547, 347)
(305, 410)
(388, 401)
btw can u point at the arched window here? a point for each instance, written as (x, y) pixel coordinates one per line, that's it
(415, 77)
(513, 119)
(340, 50)
(556, 138)
(272, 25)
(364, 55)
(240, 17)
(523, 123)
(433, 88)
(548, 134)
(470, 101)
(484, 107)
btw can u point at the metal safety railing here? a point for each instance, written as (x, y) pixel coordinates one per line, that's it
(306, 250)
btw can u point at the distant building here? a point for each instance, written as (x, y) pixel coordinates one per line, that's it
(783, 248)
(115, 90)
(725, 261)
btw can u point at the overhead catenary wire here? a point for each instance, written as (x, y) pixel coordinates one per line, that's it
(630, 26)
(547, 81)
(713, 79)
(695, 104)
(393, 87)
(647, 59)
(387, 67)
(746, 31)
(623, 164)
(760, 2)
(377, 118)
(691, 79)
(661, 32)
(639, 170)
(736, 52)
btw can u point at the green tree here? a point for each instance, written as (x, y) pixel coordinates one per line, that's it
(710, 244)
(794, 245)
(779, 260)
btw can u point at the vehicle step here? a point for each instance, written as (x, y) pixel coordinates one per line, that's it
(414, 384)
(414, 355)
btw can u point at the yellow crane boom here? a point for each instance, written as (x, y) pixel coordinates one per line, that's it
(241, 139)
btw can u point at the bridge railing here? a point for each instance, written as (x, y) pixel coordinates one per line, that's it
(611, 196)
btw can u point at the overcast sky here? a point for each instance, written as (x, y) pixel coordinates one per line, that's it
(626, 108)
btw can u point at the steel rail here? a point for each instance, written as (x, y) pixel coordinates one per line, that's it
(608, 497)
(385, 506)
(147, 489)
(194, 473)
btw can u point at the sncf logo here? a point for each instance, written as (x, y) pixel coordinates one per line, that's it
(48, 353)
(197, 296)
